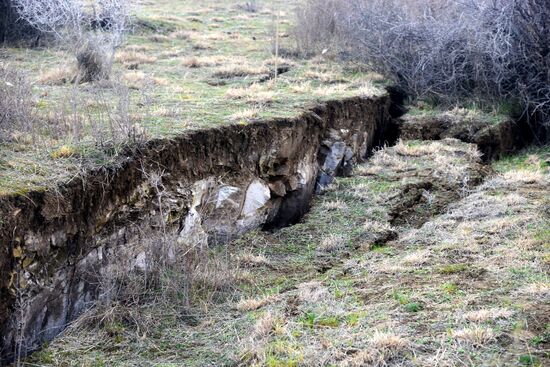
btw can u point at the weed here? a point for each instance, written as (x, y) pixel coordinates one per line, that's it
(527, 360)
(453, 269)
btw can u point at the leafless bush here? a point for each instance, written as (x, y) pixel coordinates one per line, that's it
(450, 51)
(17, 111)
(316, 25)
(91, 29)
(252, 6)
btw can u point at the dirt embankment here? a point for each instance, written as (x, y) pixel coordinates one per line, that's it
(493, 138)
(215, 185)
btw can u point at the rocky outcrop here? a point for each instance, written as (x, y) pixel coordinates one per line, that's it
(206, 187)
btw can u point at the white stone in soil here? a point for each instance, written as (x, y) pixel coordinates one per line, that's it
(257, 196)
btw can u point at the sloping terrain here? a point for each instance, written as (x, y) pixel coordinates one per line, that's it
(415, 260)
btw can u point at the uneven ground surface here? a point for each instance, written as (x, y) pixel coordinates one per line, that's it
(424, 257)
(186, 65)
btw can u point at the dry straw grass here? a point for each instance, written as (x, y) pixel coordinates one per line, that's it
(264, 325)
(239, 70)
(484, 315)
(204, 61)
(133, 57)
(478, 336)
(245, 115)
(252, 304)
(332, 243)
(159, 38)
(256, 93)
(249, 259)
(58, 76)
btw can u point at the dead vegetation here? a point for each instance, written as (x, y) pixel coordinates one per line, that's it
(17, 110)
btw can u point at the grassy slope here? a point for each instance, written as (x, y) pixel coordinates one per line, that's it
(469, 287)
(198, 64)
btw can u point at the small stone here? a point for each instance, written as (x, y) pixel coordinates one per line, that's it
(141, 262)
(278, 188)
(293, 183)
(26, 262)
(17, 252)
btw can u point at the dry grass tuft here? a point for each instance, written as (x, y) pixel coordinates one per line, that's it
(301, 88)
(236, 70)
(256, 93)
(135, 58)
(388, 341)
(312, 292)
(252, 304)
(58, 76)
(366, 89)
(264, 325)
(252, 260)
(484, 315)
(137, 48)
(477, 336)
(203, 61)
(180, 35)
(139, 80)
(524, 177)
(360, 359)
(383, 346)
(537, 289)
(245, 115)
(280, 62)
(329, 90)
(323, 76)
(335, 205)
(332, 243)
(417, 258)
(159, 38)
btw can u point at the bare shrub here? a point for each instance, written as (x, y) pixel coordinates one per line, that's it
(91, 29)
(252, 6)
(17, 107)
(448, 51)
(316, 25)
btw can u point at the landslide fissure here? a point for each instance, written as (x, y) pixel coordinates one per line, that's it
(208, 186)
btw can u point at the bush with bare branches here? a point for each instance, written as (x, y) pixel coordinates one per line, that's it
(17, 109)
(90, 29)
(492, 51)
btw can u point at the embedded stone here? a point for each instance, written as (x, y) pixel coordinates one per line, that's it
(257, 195)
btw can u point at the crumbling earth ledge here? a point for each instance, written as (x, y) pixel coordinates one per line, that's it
(216, 184)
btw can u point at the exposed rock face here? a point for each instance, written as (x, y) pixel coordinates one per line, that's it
(206, 188)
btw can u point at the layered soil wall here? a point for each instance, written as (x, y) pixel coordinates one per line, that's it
(207, 186)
